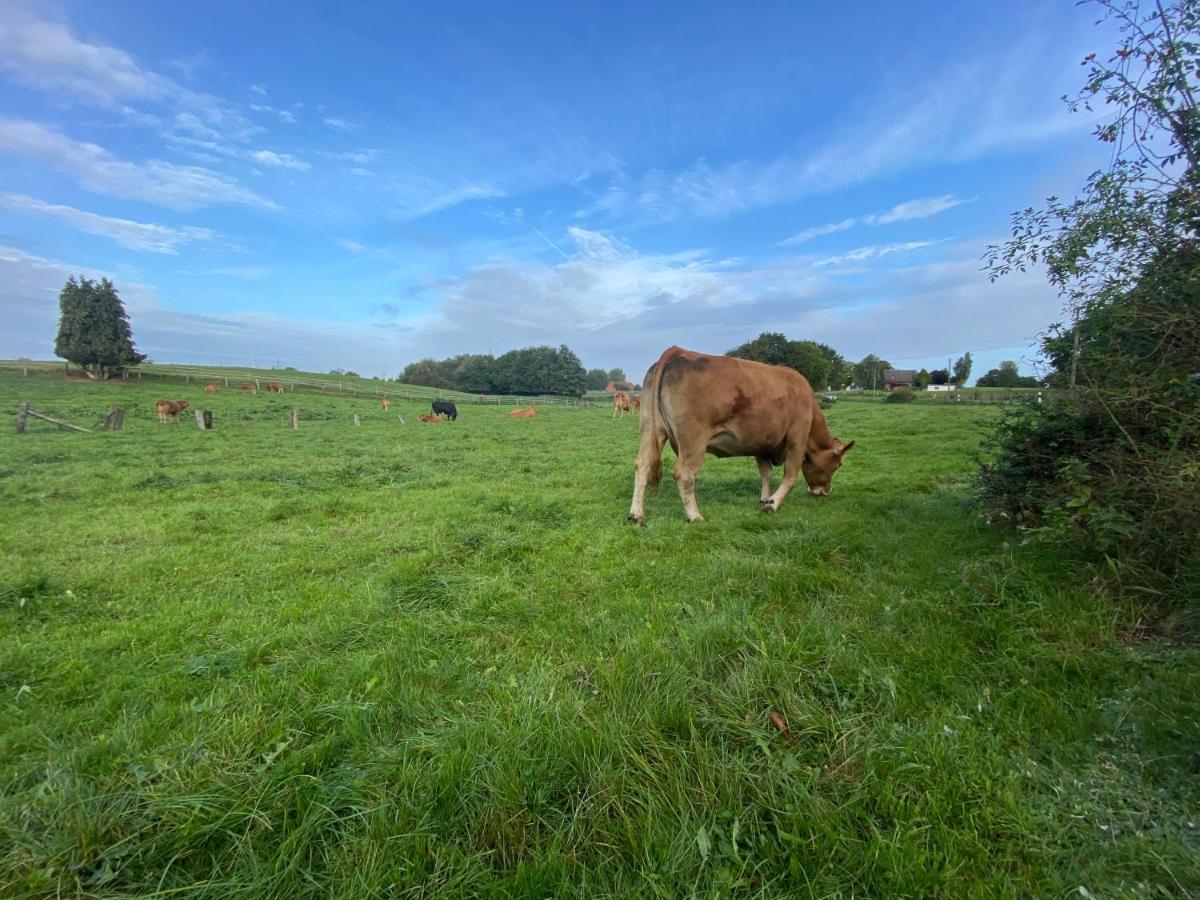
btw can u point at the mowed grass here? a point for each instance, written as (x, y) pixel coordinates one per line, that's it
(434, 660)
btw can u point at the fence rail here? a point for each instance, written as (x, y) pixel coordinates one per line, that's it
(354, 388)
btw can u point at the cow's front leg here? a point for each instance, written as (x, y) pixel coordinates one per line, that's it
(791, 468)
(765, 469)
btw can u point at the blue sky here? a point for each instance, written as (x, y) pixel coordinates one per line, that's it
(355, 185)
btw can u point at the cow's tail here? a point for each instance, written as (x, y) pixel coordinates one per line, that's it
(651, 424)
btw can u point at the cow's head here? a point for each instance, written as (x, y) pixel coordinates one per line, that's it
(819, 466)
(182, 404)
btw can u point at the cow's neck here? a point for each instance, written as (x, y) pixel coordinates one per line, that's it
(819, 437)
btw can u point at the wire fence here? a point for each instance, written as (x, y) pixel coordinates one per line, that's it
(354, 387)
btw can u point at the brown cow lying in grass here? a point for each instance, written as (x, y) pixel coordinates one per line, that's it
(210, 389)
(169, 409)
(429, 418)
(249, 386)
(525, 412)
(620, 403)
(732, 407)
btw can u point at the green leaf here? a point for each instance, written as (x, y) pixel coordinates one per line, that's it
(702, 843)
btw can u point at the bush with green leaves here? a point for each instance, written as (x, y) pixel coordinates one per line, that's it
(900, 395)
(1112, 466)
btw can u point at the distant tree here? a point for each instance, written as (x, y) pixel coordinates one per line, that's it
(597, 379)
(962, 369)
(93, 328)
(770, 347)
(868, 373)
(810, 360)
(923, 379)
(616, 375)
(841, 372)
(423, 372)
(475, 374)
(939, 376)
(1006, 376)
(570, 378)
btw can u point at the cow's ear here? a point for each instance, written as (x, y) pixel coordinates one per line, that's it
(845, 449)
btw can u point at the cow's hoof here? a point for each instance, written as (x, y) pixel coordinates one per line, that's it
(699, 520)
(768, 507)
(636, 520)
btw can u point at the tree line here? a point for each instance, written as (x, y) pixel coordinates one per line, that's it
(530, 371)
(825, 368)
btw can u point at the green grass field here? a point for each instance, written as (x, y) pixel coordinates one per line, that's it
(435, 660)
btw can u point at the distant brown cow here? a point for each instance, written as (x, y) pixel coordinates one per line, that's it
(249, 386)
(636, 402)
(169, 409)
(430, 419)
(732, 407)
(276, 386)
(525, 412)
(385, 403)
(620, 403)
(210, 389)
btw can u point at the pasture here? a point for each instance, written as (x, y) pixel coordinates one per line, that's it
(414, 660)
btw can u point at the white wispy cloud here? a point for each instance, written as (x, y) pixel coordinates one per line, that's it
(250, 273)
(48, 56)
(134, 235)
(965, 111)
(873, 251)
(280, 160)
(153, 181)
(338, 124)
(922, 208)
(819, 231)
(285, 115)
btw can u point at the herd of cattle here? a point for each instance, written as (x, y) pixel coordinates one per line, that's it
(699, 404)
(170, 409)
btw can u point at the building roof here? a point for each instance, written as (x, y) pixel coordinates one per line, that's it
(900, 376)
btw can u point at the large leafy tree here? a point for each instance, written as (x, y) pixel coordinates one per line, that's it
(868, 372)
(812, 360)
(93, 328)
(962, 369)
(1008, 375)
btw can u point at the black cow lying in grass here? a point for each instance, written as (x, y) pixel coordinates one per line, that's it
(445, 408)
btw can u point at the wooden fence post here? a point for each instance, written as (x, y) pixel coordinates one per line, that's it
(24, 371)
(114, 420)
(357, 423)
(294, 418)
(21, 418)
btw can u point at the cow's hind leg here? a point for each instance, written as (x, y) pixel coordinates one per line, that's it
(686, 467)
(647, 471)
(765, 469)
(791, 468)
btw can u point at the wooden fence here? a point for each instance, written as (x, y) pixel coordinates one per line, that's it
(354, 388)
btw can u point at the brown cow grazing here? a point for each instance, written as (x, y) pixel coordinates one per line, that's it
(249, 386)
(276, 386)
(636, 402)
(524, 412)
(169, 409)
(731, 407)
(210, 389)
(620, 403)
(429, 419)
(385, 403)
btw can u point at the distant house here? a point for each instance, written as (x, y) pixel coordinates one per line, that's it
(894, 378)
(613, 386)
